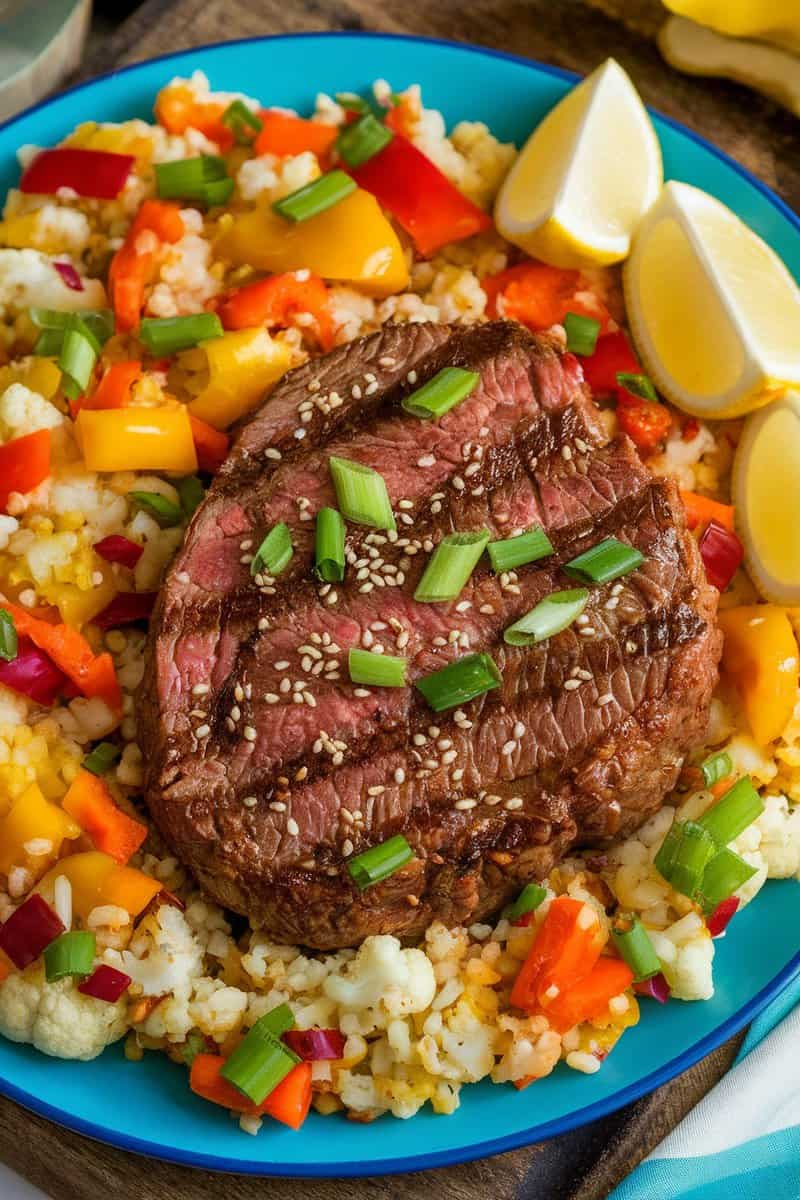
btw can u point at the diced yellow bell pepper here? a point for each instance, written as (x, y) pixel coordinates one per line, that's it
(352, 242)
(28, 230)
(137, 439)
(241, 366)
(760, 656)
(119, 139)
(33, 818)
(39, 374)
(78, 606)
(97, 879)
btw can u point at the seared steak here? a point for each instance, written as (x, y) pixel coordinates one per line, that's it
(267, 768)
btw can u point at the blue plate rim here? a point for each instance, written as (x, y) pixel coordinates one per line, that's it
(579, 1116)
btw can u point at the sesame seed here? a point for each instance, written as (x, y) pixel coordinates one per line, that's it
(197, 712)
(300, 774)
(487, 609)
(571, 684)
(371, 388)
(201, 689)
(581, 445)
(402, 639)
(519, 729)
(249, 733)
(430, 764)
(457, 775)
(465, 805)
(606, 698)
(412, 376)
(271, 698)
(337, 759)
(184, 577)
(458, 483)
(366, 587)
(448, 757)
(250, 801)
(399, 775)
(281, 665)
(230, 725)
(272, 453)
(436, 507)
(582, 619)
(309, 699)
(566, 453)
(588, 631)
(386, 360)
(347, 848)
(299, 434)
(472, 469)
(285, 684)
(405, 504)
(419, 739)
(514, 802)
(355, 392)
(202, 731)
(405, 518)
(427, 460)
(331, 598)
(630, 647)
(292, 828)
(362, 693)
(377, 789)
(236, 713)
(245, 558)
(463, 606)
(509, 747)
(492, 800)
(611, 603)
(617, 589)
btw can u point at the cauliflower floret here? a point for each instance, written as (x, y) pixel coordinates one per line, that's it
(29, 279)
(23, 411)
(779, 825)
(56, 1018)
(164, 953)
(383, 973)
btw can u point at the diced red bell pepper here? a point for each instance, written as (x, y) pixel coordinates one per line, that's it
(125, 608)
(702, 509)
(566, 947)
(210, 444)
(96, 173)
(612, 354)
(105, 983)
(274, 301)
(118, 549)
(722, 554)
(29, 930)
(420, 198)
(92, 673)
(24, 464)
(538, 296)
(133, 265)
(722, 915)
(114, 389)
(285, 135)
(646, 422)
(588, 999)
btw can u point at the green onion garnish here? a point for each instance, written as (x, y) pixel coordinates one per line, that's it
(517, 551)
(362, 140)
(275, 552)
(377, 670)
(460, 681)
(70, 954)
(556, 612)
(99, 320)
(724, 875)
(329, 548)
(361, 493)
(315, 197)
(158, 507)
(529, 899)
(637, 385)
(352, 102)
(379, 862)
(581, 333)
(609, 559)
(450, 566)
(737, 809)
(716, 767)
(633, 942)
(242, 122)
(102, 758)
(79, 351)
(8, 636)
(259, 1062)
(49, 343)
(191, 492)
(204, 179)
(683, 856)
(444, 391)
(167, 335)
(278, 1020)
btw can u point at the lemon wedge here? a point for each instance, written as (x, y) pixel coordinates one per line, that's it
(585, 177)
(766, 493)
(714, 312)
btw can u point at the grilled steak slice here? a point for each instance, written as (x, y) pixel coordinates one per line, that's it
(267, 768)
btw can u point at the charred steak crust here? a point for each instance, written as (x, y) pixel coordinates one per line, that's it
(267, 768)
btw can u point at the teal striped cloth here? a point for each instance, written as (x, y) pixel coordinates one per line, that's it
(742, 1141)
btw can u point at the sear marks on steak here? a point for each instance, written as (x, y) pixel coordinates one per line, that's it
(267, 768)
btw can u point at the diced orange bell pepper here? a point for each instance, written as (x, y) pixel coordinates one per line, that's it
(32, 818)
(90, 802)
(702, 509)
(284, 134)
(760, 657)
(588, 998)
(205, 1081)
(646, 422)
(130, 889)
(177, 108)
(137, 439)
(566, 947)
(96, 879)
(538, 295)
(24, 464)
(114, 389)
(274, 301)
(161, 217)
(403, 116)
(93, 674)
(289, 1102)
(133, 265)
(211, 445)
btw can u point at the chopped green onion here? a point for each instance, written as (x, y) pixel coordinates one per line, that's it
(329, 548)
(191, 492)
(633, 942)
(379, 862)
(581, 333)
(724, 875)
(609, 559)
(158, 507)
(361, 493)
(362, 140)
(529, 899)
(278, 1020)
(556, 612)
(242, 121)
(102, 758)
(79, 351)
(517, 551)
(683, 856)
(315, 197)
(737, 809)
(377, 670)
(716, 767)
(70, 954)
(204, 179)
(275, 552)
(444, 391)
(99, 320)
(637, 385)
(259, 1062)
(450, 566)
(352, 102)
(195, 1044)
(460, 681)
(167, 335)
(8, 636)
(49, 343)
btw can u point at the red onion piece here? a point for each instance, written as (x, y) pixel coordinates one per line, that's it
(656, 987)
(105, 983)
(70, 276)
(125, 608)
(33, 674)
(118, 549)
(721, 915)
(29, 930)
(721, 552)
(97, 173)
(526, 919)
(315, 1045)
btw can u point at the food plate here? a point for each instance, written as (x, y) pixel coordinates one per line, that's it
(146, 1106)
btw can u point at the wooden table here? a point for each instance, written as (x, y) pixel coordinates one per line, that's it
(586, 1164)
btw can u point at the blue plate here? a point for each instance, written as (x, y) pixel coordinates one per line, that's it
(147, 1106)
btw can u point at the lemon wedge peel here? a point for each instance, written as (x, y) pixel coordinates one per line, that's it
(563, 202)
(687, 307)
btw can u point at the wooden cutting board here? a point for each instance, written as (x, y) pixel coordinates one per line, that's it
(585, 1164)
